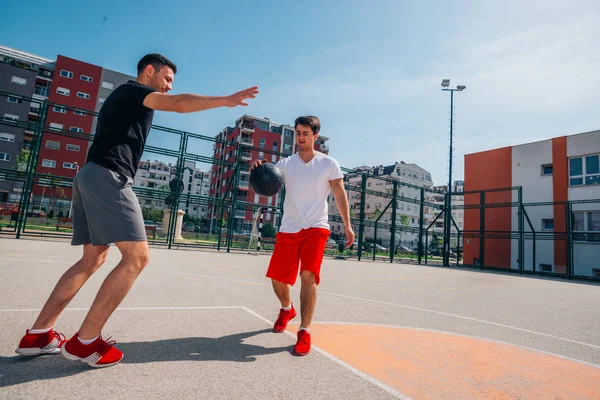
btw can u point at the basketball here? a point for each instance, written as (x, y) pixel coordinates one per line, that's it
(266, 180)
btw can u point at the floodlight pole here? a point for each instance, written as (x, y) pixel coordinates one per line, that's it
(448, 200)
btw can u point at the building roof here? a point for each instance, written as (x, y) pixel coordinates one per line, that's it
(27, 57)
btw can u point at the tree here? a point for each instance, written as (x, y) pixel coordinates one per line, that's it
(268, 230)
(404, 221)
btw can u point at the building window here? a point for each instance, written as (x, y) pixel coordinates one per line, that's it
(59, 109)
(11, 116)
(49, 163)
(66, 74)
(273, 158)
(51, 144)
(545, 267)
(548, 225)
(80, 113)
(55, 126)
(63, 91)
(76, 129)
(73, 147)
(101, 100)
(83, 95)
(107, 85)
(4, 157)
(18, 81)
(7, 137)
(86, 78)
(584, 170)
(586, 226)
(262, 143)
(288, 133)
(69, 165)
(547, 169)
(14, 99)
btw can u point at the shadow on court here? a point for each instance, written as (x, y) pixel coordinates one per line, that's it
(16, 370)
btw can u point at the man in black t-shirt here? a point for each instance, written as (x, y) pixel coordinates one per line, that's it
(106, 210)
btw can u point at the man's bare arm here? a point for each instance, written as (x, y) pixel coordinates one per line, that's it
(187, 103)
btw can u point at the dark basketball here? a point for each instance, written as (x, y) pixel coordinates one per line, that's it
(266, 180)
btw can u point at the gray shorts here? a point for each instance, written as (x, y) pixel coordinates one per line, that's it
(105, 208)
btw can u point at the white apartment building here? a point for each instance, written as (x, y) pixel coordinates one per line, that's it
(158, 174)
(374, 205)
(458, 201)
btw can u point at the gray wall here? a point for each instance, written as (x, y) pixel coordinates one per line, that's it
(117, 79)
(21, 110)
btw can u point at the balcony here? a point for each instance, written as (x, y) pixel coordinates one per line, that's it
(246, 156)
(247, 141)
(41, 91)
(324, 147)
(247, 128)
(243, 184)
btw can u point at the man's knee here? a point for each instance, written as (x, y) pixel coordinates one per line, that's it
(94, 257)
(308, 278)
(138, 255)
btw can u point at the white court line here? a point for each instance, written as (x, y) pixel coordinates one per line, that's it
(391, 304)
(455, 334)
(403, 306)
(462, 317)
(374, 381)
(132, 308)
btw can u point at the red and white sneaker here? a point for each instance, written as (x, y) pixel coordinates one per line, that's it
(100, 353)
(283, 319)
(302, 346)
(34, 344)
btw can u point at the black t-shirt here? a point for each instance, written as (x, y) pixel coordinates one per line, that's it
(123, 126)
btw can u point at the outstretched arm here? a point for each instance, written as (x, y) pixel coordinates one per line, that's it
(341, 200)
(187, 103)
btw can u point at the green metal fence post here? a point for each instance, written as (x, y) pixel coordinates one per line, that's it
(570, 258)
(361, 226)
(421, 222)
(521, 224)
(394, 208)
(236, 177)
(31, 168)
(482, 229)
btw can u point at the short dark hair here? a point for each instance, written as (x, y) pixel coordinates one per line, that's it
(157, 61)
(309, 120)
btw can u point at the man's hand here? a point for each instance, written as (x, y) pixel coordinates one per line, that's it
(237, 99)
(256, 164)
(349, 236)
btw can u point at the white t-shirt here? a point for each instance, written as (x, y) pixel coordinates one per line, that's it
(306, 190)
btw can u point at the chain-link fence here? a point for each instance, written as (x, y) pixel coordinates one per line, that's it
(194, 193)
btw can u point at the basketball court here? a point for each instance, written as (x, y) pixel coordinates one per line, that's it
(198, 325)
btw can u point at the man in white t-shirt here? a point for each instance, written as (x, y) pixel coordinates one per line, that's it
(308, 175)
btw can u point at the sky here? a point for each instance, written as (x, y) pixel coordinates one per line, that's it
(371, 71)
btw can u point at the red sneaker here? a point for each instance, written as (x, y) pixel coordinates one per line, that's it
(284, 318)
(302, 346)
(33, 344)
(99, 353)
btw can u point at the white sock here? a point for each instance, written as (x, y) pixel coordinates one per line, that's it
(38, 331)
(304, 329)
(288, 308)
(90, 341)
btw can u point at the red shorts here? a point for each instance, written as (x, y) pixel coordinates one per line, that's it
(304, 249)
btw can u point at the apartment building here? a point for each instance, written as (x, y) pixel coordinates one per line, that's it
(158, 174)
(77, 88)
(23, 75)
(406, 213)
(550, 172)
(73, 88)
(255, 134)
